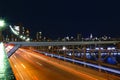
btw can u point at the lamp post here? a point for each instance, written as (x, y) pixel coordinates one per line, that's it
(2, 25)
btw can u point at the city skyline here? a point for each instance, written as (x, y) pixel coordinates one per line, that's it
(20, 33)
(60, 19)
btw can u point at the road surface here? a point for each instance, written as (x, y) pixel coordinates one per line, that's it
(29, 65)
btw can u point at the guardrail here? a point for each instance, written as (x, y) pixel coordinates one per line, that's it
(80, 62)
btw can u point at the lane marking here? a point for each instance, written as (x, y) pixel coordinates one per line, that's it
(23, 66)
(39, 63)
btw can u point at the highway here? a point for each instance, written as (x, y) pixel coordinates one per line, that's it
(29, 65)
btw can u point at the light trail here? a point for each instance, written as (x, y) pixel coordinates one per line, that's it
(39, 63)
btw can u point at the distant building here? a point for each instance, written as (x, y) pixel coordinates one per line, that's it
(39, 36)
(27, 33)
(79, 37)
(91, 36)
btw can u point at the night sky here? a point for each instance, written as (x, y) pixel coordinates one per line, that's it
(63, 18)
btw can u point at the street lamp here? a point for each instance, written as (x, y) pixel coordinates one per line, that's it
(2, 25)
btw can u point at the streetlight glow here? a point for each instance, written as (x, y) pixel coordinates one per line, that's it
(2, 23)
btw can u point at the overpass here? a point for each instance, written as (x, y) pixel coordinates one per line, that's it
(62, 43)
(19, 44)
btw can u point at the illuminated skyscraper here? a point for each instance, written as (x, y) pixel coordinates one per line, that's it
(39, 36)
(27, 33)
